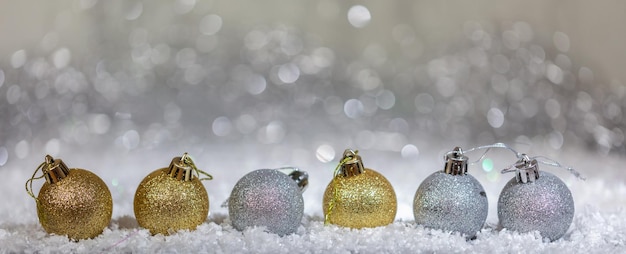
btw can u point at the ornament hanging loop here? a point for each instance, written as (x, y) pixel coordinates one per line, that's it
(183, 168)
(53, 170)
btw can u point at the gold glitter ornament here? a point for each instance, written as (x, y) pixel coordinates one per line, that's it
(72, 202)
(173, 198)
(358, 197)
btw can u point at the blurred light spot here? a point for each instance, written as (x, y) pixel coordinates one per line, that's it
(563, 61)
(359, 16)
(61, 58)
(255, 40)
(493, 176)
(385, 99)
(424, 103)
(210, 24)
(353, 108)
(495, 117)
(409, 151)
(553, 108)
(50, 41)
(245, 124)
(160, 54)
(4, 155)
(333, 105)
(538, 55)
(446, 86)
(523, 31)
(255, 84)
(288, 73)
(273, 133)
(1, 77)
(529, 107)
(53, 147)
(323, 57)
(222, 126)
(184, 6)
(14, 93)
(186, 57)
(367, 79)
(99, 123)
(134, 11)
(554, 73)
(115, 182)
(18, 59)
(172, 113)
(561, 41)
(510, 39)
(555, 139)
(22, 149)
(130, 139)
(487, 165)
(325, 153)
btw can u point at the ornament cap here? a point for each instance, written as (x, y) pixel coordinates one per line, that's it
(181, 168)
(54, 170)
(527, 169)
(352, 164)
(456, 162)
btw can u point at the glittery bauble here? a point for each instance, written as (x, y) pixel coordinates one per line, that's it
(269, 198)
(164, 204)
(545, 205)
(362, 200)
(79, 205)
(451, 203)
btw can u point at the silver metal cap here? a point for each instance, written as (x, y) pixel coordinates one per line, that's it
(456, 162)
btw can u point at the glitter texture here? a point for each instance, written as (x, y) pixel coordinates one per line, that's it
(545, 205)
(79, 206)
(451, 203)
(164, 204)
(363, 201)
(267, 198)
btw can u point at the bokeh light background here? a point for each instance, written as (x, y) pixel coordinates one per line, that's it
(121, 87)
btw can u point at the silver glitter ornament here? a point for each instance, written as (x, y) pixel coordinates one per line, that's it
(534, 201)
(269, 198)
(451, 200)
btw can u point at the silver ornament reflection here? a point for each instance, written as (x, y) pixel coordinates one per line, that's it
(269, 198)
(544, 204)
(451, 200)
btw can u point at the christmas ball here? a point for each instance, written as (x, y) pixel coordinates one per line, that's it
(451, 200)
(359, 197)
(544, 204)
(171, 199)
(267, 198)
(73, 202)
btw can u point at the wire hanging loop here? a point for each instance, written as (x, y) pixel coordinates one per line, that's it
(29, 182)
(348, 155)
(187, 161)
